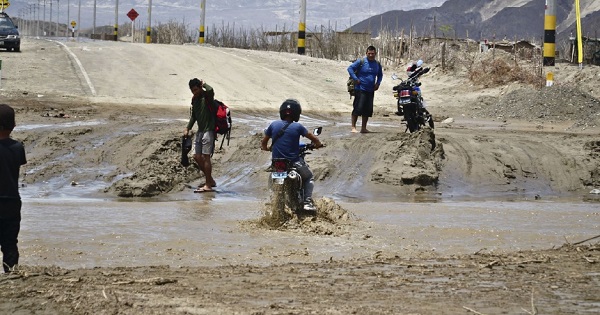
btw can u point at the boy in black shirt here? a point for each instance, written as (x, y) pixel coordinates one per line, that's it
(12, 156)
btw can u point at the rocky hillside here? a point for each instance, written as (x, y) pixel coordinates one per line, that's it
(521, 19)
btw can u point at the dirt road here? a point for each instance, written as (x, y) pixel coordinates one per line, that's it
(109, 115)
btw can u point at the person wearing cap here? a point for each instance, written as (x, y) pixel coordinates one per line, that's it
(12, 156)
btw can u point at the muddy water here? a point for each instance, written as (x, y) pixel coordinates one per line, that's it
(213, 229)
(75, 226)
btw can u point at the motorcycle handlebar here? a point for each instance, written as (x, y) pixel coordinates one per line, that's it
(311, 146)
(412, 78)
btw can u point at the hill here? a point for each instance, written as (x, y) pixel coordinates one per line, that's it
(521, 19)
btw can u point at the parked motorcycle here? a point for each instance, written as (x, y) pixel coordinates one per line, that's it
(410, 101)
(285, 184)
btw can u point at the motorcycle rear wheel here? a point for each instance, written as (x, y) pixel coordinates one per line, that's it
(293, 193)
(277, 215)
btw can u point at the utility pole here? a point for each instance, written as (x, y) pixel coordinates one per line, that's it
(68, 17)
(50, 25)
(202, 22)
(37, 33)
(79, 20)
(579, 36)
(116, 20)
(57, 15)
(149, 27)
(94, 23)
(302, 29)
(44, 24)
(549, 39)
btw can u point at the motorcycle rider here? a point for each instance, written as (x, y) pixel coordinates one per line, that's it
(286, 137)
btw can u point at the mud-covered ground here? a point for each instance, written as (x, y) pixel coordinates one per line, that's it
(122, 133)
(556, 281)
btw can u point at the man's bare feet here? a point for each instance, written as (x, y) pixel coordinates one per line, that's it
(354, 130)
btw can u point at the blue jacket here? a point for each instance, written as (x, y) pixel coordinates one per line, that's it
(369, 74)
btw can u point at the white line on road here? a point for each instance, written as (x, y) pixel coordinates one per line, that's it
(85, 75)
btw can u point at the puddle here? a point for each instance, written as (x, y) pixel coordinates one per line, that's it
(74, 226)
(187, 229)
(70, 124)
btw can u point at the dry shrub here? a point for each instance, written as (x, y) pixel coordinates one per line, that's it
(171, 32)
(491, 72)
(396, 49)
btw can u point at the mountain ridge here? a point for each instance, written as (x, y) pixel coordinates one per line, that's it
(521, 19)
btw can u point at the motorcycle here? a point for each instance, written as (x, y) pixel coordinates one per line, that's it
(410, 101)
(285, 184)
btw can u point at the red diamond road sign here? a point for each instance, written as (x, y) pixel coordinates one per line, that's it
(132, 14)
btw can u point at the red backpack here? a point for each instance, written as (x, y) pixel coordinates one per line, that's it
(222, 121)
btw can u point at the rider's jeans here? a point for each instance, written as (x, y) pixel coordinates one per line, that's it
(307, 178)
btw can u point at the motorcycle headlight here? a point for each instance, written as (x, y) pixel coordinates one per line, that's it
(12, 37)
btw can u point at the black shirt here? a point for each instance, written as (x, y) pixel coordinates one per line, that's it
(12, 156)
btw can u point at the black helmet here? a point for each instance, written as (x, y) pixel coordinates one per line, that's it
(292, 108)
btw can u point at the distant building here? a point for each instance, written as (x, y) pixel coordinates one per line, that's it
(591, 50)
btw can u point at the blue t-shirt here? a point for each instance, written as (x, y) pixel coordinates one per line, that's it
(286, 146)
(369, 74)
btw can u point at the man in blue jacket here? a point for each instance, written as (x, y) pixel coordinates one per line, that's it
(367, 75)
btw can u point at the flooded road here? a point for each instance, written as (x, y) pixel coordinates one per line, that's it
(213, 229)
(68, 220)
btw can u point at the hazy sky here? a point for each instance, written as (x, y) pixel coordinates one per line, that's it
(247, 13)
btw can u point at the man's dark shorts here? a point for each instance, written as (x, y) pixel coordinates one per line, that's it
(363, 103)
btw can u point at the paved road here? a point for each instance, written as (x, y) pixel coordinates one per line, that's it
(120, 72)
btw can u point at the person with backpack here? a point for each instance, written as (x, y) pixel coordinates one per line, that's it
(367, 75)
(202, 112)
(12, 156)
(286, 138)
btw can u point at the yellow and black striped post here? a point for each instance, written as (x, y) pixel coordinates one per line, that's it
(149, 27)
(202, 22)
(302, 29)
(550, 33)
(116, 20)
(549, 39)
